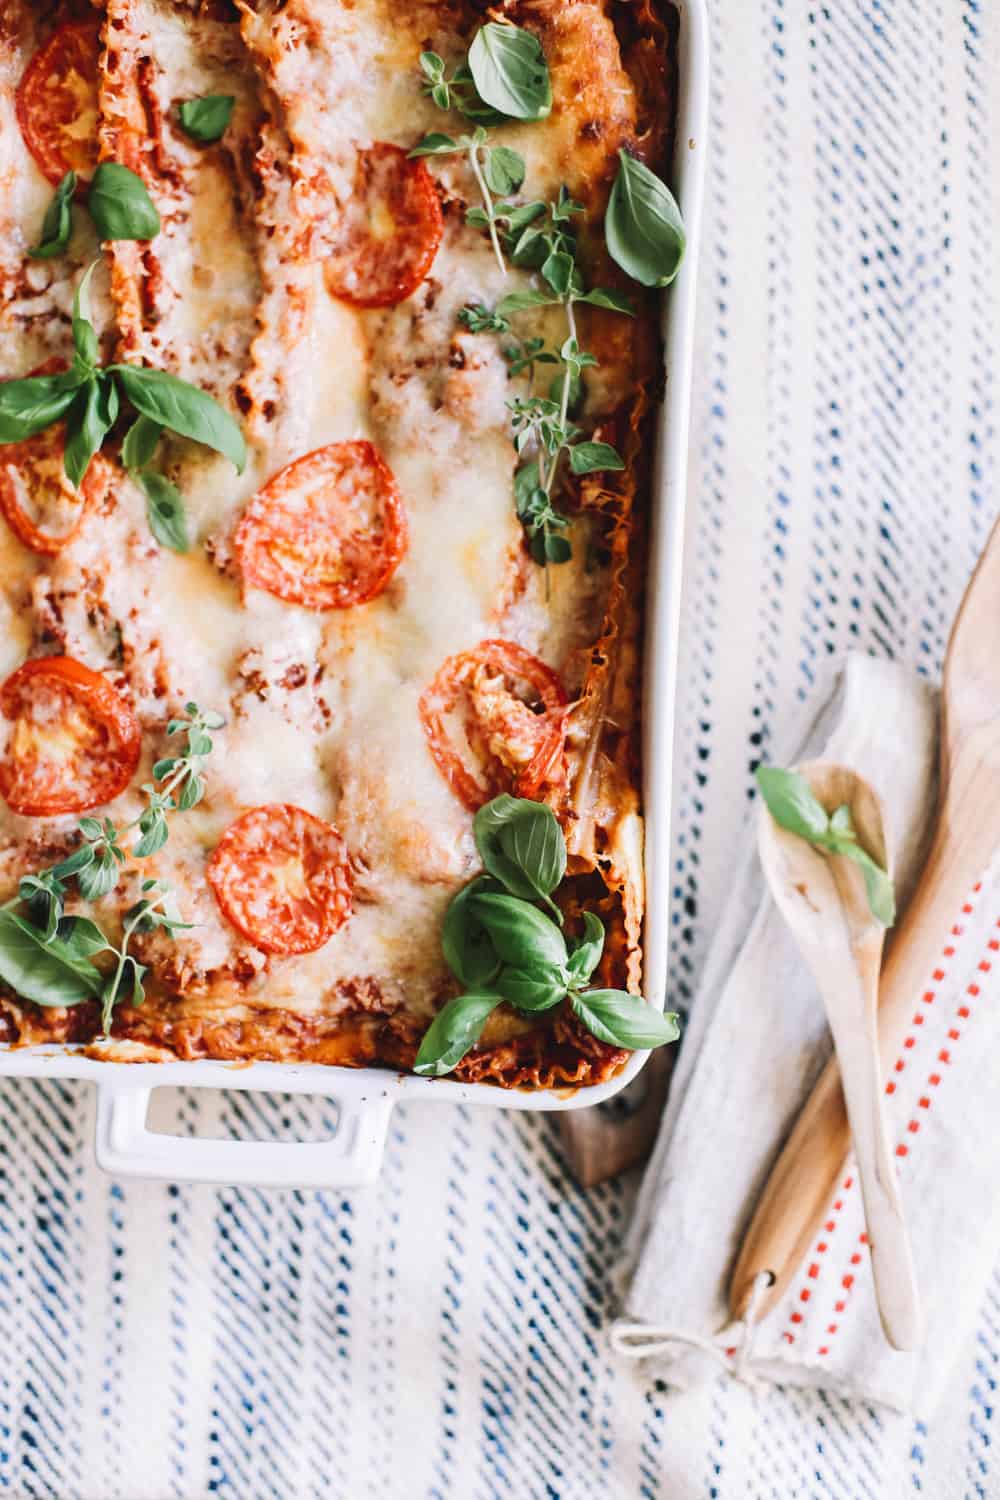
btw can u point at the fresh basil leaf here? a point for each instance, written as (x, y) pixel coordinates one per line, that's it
(82, 938)
(93, 412)
(85, 343)
(599, 296)
(521, 301)
(878, 885)
(520, 933)
(184, 409)
(586, 954)
(164, 511)
(436, 144)
(206, 119)
(120, 205)
(44, 894)
(140, 442)
(456, 1028)
(643, 226)
(591, 458)
(791, 803)
(509, 70)
(30, 405)
(465, 943)
(57, 225)
(624, 1020)
(504, 170)
(49, 973)
(531, 989)
(521, 845)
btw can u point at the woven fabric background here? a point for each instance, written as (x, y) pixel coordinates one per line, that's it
(441, 1337)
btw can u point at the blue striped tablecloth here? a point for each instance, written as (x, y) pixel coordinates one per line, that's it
(441, 1337)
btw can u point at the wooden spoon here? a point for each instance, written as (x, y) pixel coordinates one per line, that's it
(791, 1208)
(822, 898)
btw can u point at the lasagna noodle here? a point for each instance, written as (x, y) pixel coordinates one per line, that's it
(323, 709)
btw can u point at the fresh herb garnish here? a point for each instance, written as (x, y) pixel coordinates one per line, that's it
(164, 510)
(57, 225)
(506, 71)
(120, 205)
(504, 76)
(501, 947)
(47, 956)
(205, 119)
(89, 396)
(509, 71)
(543, 433)
(643, 225)
(497, 170)
(791, 803)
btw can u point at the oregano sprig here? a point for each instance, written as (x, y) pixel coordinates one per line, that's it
(47, 956)
(501, 947)
(792, 805)
(498, 171)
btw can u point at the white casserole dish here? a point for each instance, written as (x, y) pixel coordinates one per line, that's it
(365, 1097)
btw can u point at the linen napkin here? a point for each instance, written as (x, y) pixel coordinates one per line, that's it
(756, 1043)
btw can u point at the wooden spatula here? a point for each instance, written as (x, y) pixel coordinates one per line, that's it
(823, 899)
(795, 1199)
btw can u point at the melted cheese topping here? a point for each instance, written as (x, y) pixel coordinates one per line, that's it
(321, 708)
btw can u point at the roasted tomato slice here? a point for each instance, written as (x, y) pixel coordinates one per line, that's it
(390, 230)
(495, 722)
(57, 102)
(39, 504)
(281, 876)
(328, 531)
(74, 743)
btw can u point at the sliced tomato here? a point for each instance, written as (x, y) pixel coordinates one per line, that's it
(57, 102)
(389, 232)
(495, 722)
(281, 876)
(75, 741)
(38, 502)
(327, 531)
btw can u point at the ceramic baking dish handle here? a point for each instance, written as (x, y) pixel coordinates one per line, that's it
(126, 1147)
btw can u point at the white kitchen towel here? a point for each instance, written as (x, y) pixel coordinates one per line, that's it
(757, 1043)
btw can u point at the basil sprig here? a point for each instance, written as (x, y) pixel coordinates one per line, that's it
(47, 956)
(205, 119)
(791, 803)
(509, 70)
(120, 205)
(89, 398)
(643, 225)
(504, 76)
(57, 225)
(501, 947)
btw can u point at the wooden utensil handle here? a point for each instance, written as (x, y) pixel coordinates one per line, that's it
(791, 1208)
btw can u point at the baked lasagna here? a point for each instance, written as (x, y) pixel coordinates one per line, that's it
(380, 633)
